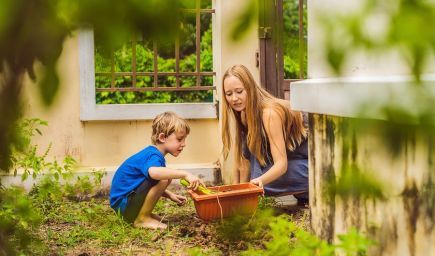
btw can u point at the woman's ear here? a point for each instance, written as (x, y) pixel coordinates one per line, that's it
(161, 137)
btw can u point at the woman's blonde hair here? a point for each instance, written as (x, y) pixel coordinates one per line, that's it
(168, 123)
(256, 101)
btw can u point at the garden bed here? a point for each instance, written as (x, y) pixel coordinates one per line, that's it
(67, 214)
(91, 228)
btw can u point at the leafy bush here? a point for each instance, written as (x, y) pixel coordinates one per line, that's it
(24, 154)
(284, 237)
(18, 219)
(268, 233)
(21, 213)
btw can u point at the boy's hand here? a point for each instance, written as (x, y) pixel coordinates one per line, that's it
(178, 199)
(194, 181)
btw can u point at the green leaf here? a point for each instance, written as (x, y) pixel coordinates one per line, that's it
(56, 176)
(24, 176)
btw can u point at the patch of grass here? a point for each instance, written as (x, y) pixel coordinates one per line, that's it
(204, 252)
(89, 222)
(91, 226)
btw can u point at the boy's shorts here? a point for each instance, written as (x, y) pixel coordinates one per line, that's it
(135, 200)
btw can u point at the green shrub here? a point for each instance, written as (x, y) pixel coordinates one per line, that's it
(18, 220)
(21, 213)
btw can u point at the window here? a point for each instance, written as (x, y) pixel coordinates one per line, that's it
(142, 78)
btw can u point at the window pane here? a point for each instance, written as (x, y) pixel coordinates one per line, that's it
(120, 61)
(144, 56)
(205, 4)
(195, 96)
(188, 42)
(115, 97)
(206, 43)
(166, 81)
(123, 60)
(166, 58)
(123, 81)
(144, 81)
(153, 97)
(124, 97)
(206, 81)
(102, 60)
(187, 81)
(188, 63)
(102, 81)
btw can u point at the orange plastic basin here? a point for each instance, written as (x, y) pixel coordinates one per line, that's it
(228, 200)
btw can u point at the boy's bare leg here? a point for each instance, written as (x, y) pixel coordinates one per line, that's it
(145, 218)
(155, 216)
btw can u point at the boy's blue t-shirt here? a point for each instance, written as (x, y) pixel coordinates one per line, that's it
(132, 173)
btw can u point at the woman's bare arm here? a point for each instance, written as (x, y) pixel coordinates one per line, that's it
(273, 126)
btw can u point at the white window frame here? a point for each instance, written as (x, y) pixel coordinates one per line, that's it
(91, 111)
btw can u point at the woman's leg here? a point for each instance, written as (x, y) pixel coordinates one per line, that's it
(144, 218)
(295, 180)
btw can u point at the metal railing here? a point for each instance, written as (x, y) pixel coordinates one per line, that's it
(156, 74)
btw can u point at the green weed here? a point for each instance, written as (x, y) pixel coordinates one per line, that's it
(195, 251)
(286, 238)
(19, 219)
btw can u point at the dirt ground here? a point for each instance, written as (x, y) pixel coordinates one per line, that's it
(185, 232)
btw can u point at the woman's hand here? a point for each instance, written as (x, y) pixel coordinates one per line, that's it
(257, 181)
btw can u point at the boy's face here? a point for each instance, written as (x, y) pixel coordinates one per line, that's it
(174, 143)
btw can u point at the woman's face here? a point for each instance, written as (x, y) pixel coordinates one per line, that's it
(235, 93)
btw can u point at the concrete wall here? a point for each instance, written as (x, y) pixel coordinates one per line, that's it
(402, 223)
(108, 143)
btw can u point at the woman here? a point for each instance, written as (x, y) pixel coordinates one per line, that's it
(268, 135)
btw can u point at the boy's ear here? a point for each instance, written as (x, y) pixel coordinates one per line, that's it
(161, 137)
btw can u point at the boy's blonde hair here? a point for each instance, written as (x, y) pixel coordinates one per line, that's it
(168, 123)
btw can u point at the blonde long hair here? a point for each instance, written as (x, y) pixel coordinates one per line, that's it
(256, 101)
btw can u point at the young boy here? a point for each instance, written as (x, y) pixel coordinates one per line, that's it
(143, 178)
